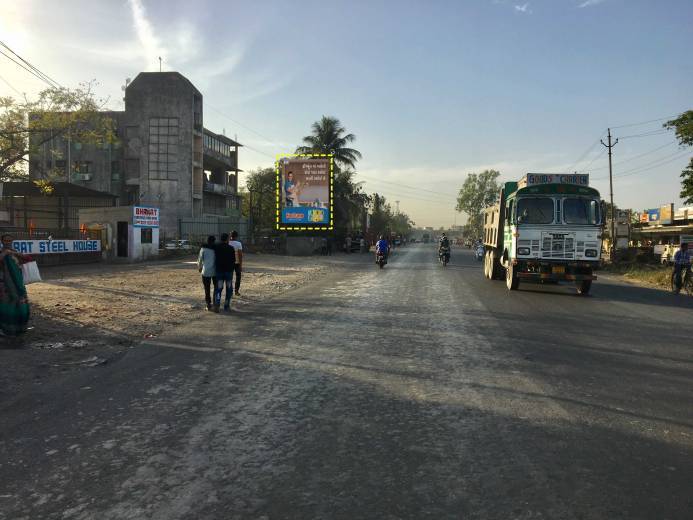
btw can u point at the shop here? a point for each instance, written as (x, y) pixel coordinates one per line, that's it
(130, 233)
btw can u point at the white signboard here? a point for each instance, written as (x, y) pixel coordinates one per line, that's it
(45, 247)
(145, 217)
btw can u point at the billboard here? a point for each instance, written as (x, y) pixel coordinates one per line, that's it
(652, 216)
(304, 192)
(666, 214)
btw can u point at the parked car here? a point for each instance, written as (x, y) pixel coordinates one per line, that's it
(178, 244)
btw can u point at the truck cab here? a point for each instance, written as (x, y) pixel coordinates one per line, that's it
(545, 231)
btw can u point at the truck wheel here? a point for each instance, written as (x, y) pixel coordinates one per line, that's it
(495, 269)
(583, 287)
(511, 279)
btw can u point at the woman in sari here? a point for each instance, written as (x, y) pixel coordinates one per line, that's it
(14, 304)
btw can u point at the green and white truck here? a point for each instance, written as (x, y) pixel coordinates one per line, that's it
(546, 228)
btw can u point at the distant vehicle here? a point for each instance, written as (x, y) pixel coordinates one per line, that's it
(426, 238)
(178, 244)
(546, 227)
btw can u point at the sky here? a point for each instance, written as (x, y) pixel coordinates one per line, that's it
(432, 90)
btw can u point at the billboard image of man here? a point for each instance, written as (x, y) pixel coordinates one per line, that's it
(305, 191)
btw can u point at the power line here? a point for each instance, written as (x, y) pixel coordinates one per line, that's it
(651, 165)
(41, 75)
(214, 109)
(587, 152)
(644, 122)
(10, 85)
(637, 156)
(601, 154)
(405, 185)
(646, 134)
(25, 68)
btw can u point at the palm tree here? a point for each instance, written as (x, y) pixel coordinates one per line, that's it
(329, 137)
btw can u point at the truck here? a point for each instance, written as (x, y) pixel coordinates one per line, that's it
(545, 228)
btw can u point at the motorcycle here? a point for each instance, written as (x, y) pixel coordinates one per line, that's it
(479, 253)
(444, 255)
(380, 259)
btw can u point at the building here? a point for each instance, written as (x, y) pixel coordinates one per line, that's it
(163, 155)
(25, 209)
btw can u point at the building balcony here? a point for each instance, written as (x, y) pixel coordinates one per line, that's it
(219, 189)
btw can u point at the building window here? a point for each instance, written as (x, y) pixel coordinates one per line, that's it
(163, 147)
(146, 236)
(115, 170)
(82, 167)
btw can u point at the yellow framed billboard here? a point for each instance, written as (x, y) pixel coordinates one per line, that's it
(304, 192)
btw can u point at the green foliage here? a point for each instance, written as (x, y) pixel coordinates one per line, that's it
(329, 136)
(259, 202)
(478, 192)
(384, 221)
(57, 112)
(683, 127)
(687, 183)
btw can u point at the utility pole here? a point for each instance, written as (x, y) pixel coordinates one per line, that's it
(159, 63)
(397, 202)
(611, 194)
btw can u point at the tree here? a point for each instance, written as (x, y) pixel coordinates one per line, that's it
(683, 126)
(259, 204)
(478, 191)
(329, 137)
(350, 202)
(25, 125)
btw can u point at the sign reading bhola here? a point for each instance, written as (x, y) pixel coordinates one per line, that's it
(533, 179)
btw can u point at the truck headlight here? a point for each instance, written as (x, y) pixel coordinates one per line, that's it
(523, 251)
(591, 253)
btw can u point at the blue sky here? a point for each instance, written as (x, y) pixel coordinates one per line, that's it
(433, 90)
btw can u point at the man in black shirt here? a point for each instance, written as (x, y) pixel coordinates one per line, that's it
(225, 264)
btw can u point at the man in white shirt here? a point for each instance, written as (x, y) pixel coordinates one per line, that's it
(236, 244)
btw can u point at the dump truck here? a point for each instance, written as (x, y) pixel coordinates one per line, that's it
(545, 228)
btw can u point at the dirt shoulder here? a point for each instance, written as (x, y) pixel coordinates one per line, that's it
(88, 315)
(652, 276)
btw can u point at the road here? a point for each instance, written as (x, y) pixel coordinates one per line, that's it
(413, 392)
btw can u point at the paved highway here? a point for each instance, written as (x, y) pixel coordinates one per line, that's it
(413, 392)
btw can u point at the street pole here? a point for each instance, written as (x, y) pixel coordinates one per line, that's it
(611, 194)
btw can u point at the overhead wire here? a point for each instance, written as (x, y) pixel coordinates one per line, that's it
(629, 159)
(649, 166)
(31, 68)
(10, 85)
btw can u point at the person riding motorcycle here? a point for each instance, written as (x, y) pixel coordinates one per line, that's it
(682, 261)
(382, 246)
(443, 245)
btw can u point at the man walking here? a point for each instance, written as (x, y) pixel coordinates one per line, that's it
(225, 264)
(682, 263)
(238, 268)
(206, 267)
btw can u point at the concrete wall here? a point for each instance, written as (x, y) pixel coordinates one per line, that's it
(302, 246)
(158, 96)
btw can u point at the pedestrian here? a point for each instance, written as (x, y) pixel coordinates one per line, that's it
(14, 301)
(348, 244)
(238, 267)
(329, 246)
(225, 261)
(206, 265)
(362, 245)
(323, 246)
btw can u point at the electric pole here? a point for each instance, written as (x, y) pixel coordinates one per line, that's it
(611, 194)
(397, 202)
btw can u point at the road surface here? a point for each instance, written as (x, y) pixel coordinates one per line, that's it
(413, 392)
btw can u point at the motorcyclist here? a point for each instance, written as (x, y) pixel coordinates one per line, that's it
(682, 261)
(443, 244)
(382, 246)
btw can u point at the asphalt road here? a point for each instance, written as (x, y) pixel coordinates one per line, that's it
(413, 392)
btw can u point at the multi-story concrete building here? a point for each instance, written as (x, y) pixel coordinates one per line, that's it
(163, 156)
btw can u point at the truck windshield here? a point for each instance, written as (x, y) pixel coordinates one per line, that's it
(580, 211)
(534, 211)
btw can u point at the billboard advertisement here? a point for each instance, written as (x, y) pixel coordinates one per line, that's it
(666, 214)
(652, 216)
(304, 189)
